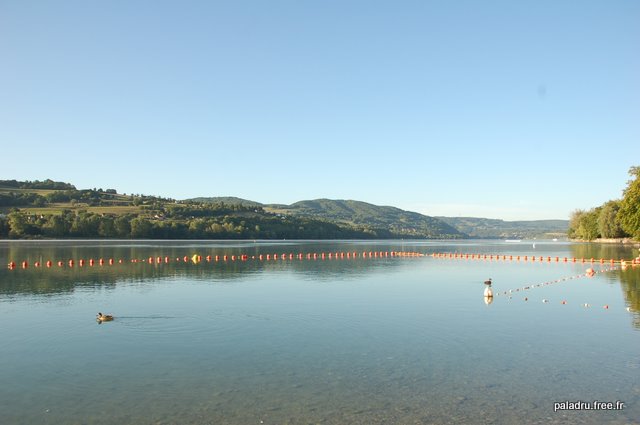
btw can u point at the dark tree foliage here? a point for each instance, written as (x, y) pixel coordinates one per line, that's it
(614, 219)
(36, 184)
(630, 205)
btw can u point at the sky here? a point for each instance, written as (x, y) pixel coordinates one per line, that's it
(496, 109)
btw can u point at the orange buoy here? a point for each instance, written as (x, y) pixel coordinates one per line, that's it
(25, 264)
(49, 264)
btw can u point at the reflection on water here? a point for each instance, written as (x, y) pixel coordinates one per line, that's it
(365, 341)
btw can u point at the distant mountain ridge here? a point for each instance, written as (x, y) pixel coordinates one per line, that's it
(412, 224)
(230, 200)
(32, 209)
(358, 213)
(494, 228)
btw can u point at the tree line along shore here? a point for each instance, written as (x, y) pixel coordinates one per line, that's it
(49, 209)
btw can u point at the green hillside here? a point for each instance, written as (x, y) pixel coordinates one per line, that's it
(229, 200)
(383, 220)
(48, 209)
(493, 228)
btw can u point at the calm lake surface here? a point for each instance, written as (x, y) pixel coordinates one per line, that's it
(381, 340)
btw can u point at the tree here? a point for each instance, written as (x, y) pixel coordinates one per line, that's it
(122, 227)
(629, 213)
(18, 225)
(56, 226)
(584, 224)
(85, 224)
(608, 223)
(4, 226)
(141, 228)
(574, 222)
(197, 228)
(107, 228)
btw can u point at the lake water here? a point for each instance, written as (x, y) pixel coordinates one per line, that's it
(377, 340)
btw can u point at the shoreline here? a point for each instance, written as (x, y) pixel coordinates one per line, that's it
(621, 241)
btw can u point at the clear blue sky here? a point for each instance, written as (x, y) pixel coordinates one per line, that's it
(500, 109)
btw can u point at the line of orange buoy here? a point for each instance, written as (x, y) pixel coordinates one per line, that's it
(209, 258)
(533, 258)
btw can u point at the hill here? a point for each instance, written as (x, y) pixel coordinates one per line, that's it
(494, 228)
(382, 220)
(59, 210)
(229, 200)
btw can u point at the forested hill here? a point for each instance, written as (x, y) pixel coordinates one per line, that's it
(58, 210)
(493, 228)
(49, 209)
(228, 200)
(380, 219)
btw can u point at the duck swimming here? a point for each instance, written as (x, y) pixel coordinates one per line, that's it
(487, 282)
(104, 317)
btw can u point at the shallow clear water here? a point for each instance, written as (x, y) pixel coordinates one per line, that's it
(335, 341)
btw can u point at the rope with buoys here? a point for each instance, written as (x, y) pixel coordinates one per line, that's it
(196, 258)
(590, 272)
(533, 258)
